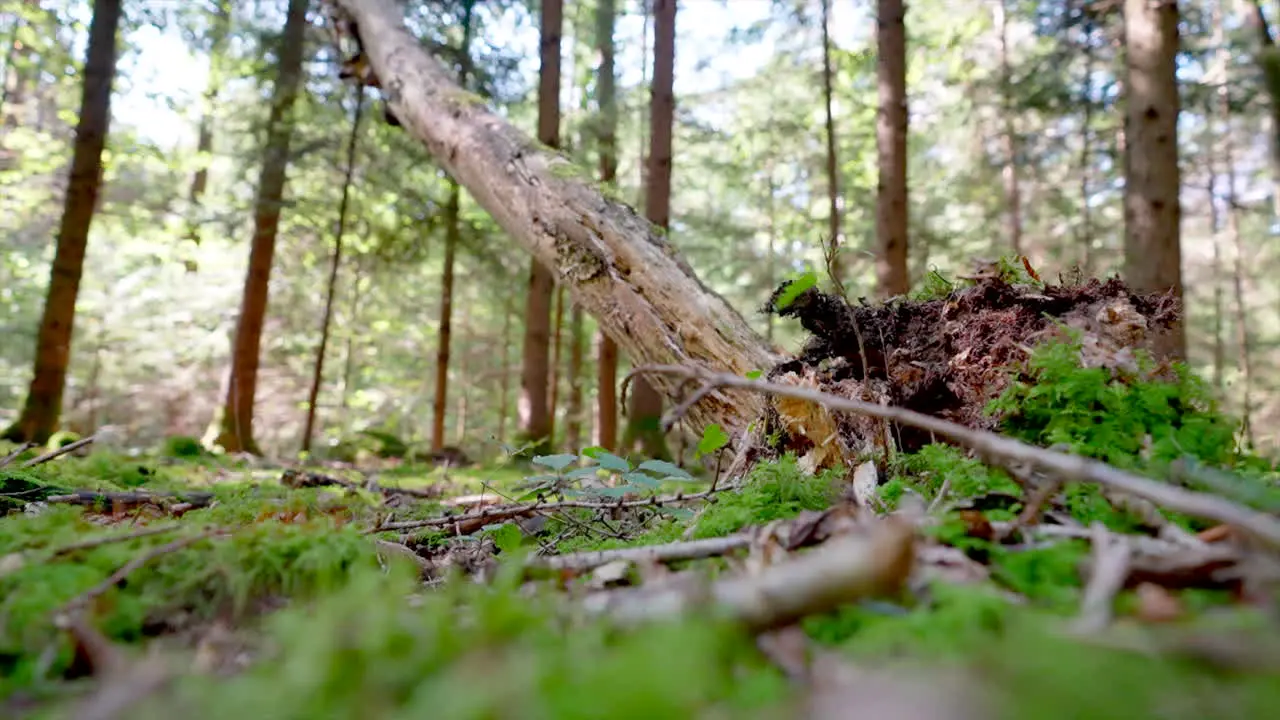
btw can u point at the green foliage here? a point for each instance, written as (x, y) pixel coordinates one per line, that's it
(794, 288)
(594, 462)
(774, 491)
(62, 438)
(220, 575)
(927, 469)
(470, 652)
(105, 470)
(713, 440)
(182, 446)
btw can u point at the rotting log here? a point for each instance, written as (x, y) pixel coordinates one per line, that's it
(615, 264)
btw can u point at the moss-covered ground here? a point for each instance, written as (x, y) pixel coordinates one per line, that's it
(282, 605)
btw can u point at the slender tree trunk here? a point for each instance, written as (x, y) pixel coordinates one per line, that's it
(1085, 239)
(891, 147)
(317, 375)
(349, 357)
(236, 434)
(553, 376)
(1012, 194)
(619, 266)
(40, 412)
(771, 205)
(440, 406)
(1268, 56)
(1153, 254)
(835, 264)
(460, 420)
(642, 135)
(535, 410)
(1243, 336)
(644, 428)
(573, 410)
(504, 384)
(1219, 296)
(606, 425)
(219, 36)
(453, 231)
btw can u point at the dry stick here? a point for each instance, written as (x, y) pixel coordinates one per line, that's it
(109, 539)
(128, 568)
(840, 571)
(4, 462)
(59, 452)
(670, 552)
(1111, 558)
(1009, 453)
(512, 510)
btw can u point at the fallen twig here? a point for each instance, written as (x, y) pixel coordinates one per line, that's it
(109, 539)
(670, 552)
(504, 512)
(122, 500)
(59, 452)
(128, 568)
(305, 478)
(4, 462)
(1110, 570)
(840, 571)
(1010, 453)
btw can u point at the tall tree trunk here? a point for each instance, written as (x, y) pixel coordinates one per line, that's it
(504, 382)
(1268, 58)
(644, 427)
(1085, 238)
(553, 376)
(40, 412)
(835, 264)
(891, 147)
(317, 375)
(440, 405)
(1152, 252)
(453, 231)
(1243, 336)
(573, 409)
(616, 264)
(219, 35)
(1219, 296)
(236, 433)
(1012, 194)
(605, 432)
(349, 357)
(535, 410)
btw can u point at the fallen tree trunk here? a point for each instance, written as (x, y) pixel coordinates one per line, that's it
(615, 263)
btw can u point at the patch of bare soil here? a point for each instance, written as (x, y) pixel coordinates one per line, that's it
(945, 357)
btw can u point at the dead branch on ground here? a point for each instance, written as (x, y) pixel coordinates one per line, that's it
(670, 552)
(4, 462)
(88, 596)
(1007, 452)
(59, 452)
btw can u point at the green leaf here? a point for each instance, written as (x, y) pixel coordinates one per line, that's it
(755, 374)
(668, 470)
(678, 513)
(794, 288)
(582, 472)
(614, 491)
(609, 461)
(640, 478)
(506, 536)
(555, 462)
(713, 438)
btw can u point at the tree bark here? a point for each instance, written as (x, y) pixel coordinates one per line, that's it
(835, 264)
(317, 375)
(891, 147)
(504, 382)
(43, 406)
(553, 374)
(1012, 191)
(573, 409)
(644, 431)
(452, 222)
(1153, 254)
(535, 408)
(440, 405)
(236, 433)
(1243, 336)
(605, 428)
(1268, 59)
(219, 36)
(616, 264)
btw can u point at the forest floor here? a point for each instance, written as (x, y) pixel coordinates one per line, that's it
(923, 583)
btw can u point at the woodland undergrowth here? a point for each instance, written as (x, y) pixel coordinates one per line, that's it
(201, 586)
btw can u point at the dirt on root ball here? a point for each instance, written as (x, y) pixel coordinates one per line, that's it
(944, 357)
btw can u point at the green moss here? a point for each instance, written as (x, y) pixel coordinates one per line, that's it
(774, 491)
(182, 446)
(925, 472)
(473, 652)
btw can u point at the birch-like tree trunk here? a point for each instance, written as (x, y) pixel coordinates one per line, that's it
(615, 263)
